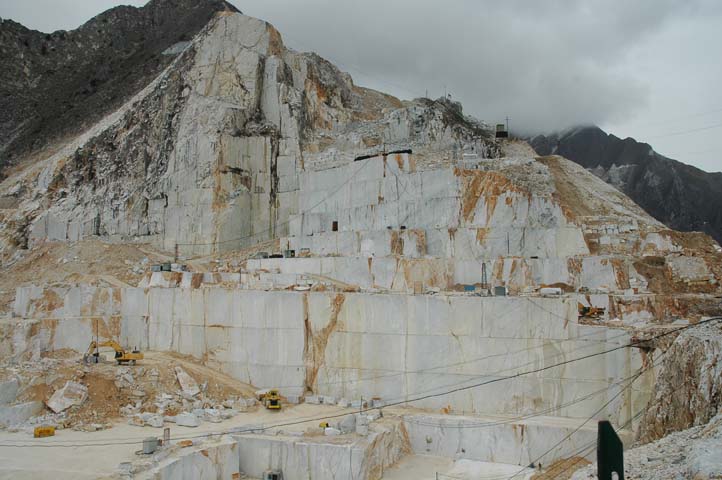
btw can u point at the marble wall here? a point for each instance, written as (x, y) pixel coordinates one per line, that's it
(402, 348)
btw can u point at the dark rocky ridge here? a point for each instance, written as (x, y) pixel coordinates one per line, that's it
(680, 196)
(58, 84)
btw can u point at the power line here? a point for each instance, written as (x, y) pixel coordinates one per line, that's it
(569, 435)
(580, 338)
(585, 449)
(402, 402)
(593, 444)
(684, 132)
(681, 117)
(541, 412)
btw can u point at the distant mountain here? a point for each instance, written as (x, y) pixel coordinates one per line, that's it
(56, 84)
(681, 196)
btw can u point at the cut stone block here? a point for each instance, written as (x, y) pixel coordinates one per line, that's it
(72, 393)
(17, 414)
(8, 391)
(186, 419)
(188, 385)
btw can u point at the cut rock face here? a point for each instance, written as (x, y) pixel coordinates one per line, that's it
(188, 385)
(72, 393)
(8, 391)
(16, 414)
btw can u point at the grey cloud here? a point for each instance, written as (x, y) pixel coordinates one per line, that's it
(547, 65)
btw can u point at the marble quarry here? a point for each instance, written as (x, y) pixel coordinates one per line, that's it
(354, 345)
(411, 256)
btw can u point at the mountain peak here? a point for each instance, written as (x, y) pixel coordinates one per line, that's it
(57, 84)
(681, 196)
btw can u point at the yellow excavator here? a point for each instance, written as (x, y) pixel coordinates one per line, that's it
(590, 312)
(121, 354)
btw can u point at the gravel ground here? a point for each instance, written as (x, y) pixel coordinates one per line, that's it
(695, 453)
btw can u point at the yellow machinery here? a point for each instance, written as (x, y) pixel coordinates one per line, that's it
(590, 312)
(43, 431)
(121, 355)
(272, 400)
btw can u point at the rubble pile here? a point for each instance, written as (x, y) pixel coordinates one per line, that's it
(64, 393)
(89, 261)
(693, 453)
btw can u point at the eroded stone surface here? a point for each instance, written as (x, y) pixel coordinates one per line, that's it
(689, 390)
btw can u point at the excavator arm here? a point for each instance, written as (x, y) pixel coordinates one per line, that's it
(121, 355)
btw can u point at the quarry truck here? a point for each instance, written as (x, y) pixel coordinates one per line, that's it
(272, 400)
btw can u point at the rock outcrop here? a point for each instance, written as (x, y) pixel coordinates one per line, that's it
(208, 155)
(680, 196)
(688, 391)
(241, 140)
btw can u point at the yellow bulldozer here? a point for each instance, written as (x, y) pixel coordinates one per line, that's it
(121, 354)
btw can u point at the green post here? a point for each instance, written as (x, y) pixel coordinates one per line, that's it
(610, 452)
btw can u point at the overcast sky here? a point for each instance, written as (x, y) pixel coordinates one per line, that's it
(649, 69)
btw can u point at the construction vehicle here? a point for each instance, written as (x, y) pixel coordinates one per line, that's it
(272, 475)
(590, 312)
(121, 354)
(272, 400)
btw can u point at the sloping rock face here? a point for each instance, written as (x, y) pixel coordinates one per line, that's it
(57, 84)
(242, 140)
(207, 156)
(680, 196)
(688, 392)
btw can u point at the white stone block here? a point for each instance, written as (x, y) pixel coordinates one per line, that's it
(187, 419)
(8, 391)
(188, 385)
(20, 413)
(72, 393)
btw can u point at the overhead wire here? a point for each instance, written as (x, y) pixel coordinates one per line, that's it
(582, 451)
(685, 132)
(581, 338)
(579, 427)
(262, 428)
(593, 443)
(538, 413)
